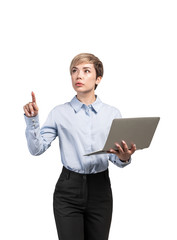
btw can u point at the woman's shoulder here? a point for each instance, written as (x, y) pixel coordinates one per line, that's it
(111, 108)
(60, 107)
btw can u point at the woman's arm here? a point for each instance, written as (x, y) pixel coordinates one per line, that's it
(38, 140)
(122, 156)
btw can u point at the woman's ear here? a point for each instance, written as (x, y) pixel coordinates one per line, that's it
(98, 80)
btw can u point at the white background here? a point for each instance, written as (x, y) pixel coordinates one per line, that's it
(137, 42)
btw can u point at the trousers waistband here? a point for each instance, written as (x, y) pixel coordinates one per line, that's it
(92, 175)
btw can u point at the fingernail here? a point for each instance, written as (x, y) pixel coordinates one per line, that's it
(32, 113)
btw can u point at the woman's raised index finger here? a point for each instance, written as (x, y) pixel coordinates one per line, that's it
(33, 97)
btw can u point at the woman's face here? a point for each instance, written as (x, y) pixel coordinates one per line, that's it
(84, 78)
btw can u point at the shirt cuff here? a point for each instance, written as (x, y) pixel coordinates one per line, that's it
(118, 162)
(32, 122)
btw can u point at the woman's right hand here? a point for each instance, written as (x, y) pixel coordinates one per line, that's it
(31, 109)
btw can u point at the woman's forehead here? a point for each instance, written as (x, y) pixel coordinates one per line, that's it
(83, 64)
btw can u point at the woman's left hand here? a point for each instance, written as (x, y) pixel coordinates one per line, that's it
(123, 152)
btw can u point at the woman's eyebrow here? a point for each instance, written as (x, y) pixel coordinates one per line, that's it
(82, 68)
(86, 67)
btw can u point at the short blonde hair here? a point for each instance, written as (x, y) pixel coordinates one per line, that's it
(88, 58)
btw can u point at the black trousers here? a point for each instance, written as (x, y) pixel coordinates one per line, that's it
(83, 206)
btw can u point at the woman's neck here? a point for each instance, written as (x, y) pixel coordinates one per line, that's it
(87, 99)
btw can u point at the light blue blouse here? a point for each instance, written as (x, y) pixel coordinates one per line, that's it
(81, 129)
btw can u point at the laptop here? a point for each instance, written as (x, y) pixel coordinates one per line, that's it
(139, 131)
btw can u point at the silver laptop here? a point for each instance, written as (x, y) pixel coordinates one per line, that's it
(139, 131)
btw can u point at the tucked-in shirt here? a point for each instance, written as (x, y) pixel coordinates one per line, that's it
(81, 129)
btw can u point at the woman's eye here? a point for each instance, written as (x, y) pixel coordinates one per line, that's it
(74, 70)
(87, 71)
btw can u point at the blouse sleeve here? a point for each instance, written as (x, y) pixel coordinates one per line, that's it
(112, 157)
(39, 140)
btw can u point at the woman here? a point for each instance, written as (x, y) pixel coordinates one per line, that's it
(82, 196)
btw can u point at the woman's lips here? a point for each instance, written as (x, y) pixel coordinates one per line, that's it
(79, 84)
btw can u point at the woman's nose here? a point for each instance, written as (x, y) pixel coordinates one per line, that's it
(79, 75)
